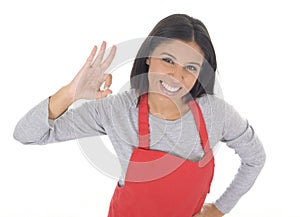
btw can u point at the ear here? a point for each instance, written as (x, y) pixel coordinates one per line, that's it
(148, 61)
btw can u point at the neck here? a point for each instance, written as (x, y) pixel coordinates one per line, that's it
(166, 108)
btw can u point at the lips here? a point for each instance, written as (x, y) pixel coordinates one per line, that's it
(170, 88)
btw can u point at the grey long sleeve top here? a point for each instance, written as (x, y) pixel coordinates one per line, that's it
(116, 116)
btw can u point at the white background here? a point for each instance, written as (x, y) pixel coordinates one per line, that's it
(44, 43)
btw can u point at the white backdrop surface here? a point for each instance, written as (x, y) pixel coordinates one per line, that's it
(44, 43)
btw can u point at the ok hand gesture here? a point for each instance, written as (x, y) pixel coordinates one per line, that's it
(87, 82)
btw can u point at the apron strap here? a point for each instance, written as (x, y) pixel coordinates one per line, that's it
(143, 124)
(201, 126)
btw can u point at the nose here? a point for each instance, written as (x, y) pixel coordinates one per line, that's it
(178, 72)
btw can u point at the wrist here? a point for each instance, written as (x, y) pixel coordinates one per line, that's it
(68, 93)
(218, 211)
(60, 101)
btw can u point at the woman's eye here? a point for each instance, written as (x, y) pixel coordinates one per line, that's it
(191, 68)
(168, 60)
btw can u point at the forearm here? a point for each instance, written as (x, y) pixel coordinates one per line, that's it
(241, 184)
(252, 154)
(36, 128)
(60, 102)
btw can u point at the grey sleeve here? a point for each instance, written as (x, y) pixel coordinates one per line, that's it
(36, 128)
(240, 136)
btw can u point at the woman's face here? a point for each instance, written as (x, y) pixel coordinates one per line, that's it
(173, 68)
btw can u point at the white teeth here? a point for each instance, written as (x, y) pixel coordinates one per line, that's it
(169, 88)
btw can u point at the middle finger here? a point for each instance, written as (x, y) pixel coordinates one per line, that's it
(99, 57)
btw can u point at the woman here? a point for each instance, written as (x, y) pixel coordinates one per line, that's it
(163, 129)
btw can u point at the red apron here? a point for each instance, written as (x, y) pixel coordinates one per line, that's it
(158, 184)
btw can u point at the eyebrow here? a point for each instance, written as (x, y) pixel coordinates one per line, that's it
(195, 63)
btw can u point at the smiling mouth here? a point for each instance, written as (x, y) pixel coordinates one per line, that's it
(169, 88)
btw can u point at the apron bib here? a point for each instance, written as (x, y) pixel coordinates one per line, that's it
(158, 184)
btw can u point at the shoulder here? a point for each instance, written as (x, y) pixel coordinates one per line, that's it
(221, 115)
(212, 103)
(217, 109)
(119, 101)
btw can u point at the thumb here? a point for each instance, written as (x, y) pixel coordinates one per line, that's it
(107, 81)
(103, 93)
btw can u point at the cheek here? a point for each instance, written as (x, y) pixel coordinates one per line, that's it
(154, 77)
(191, 80)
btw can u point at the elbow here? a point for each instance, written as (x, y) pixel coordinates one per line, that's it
(253, 155)
(263, 157)
(22, 136)
(258, 159)
(260, 155)
(20, 140)
(17, 135)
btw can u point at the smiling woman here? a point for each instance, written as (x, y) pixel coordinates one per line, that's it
(163, 129)
(174, 67)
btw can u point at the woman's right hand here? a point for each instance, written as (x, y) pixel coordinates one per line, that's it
(86, 84)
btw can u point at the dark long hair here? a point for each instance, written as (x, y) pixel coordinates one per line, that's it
(181, 27)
